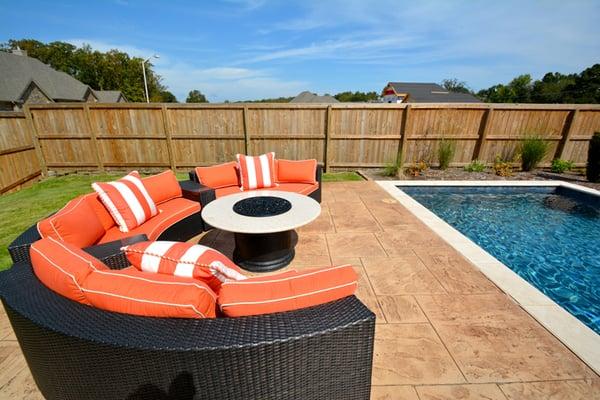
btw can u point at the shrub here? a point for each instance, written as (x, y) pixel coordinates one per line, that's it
(560, 166)
(475, 166)
(593, 162)
(533, 149)
(391, 169)
(446, 153)
(417, 168)
(502, 167)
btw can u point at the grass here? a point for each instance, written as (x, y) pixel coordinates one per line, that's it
(20, 210)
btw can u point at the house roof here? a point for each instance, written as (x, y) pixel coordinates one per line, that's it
(108, 96)
(308, 97)
(18, 71)
(431, 93)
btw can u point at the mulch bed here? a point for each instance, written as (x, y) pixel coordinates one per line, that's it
(457, 174)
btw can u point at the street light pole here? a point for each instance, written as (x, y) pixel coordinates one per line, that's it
(144, 72)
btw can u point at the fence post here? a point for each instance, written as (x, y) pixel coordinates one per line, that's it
(93, 137)
(168, 136)
(566, 133)
(483, 132)
(327, 142)
(401, 157)
(35, 140)
(246, 135)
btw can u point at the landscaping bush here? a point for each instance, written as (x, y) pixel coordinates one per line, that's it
(559, 166)
(593, 162)
(502, 167)
(533, 149)
(391, 169)
(475, 166)
(446, 153)
(417, 168)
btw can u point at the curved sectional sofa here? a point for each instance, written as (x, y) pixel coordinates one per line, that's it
(75, 351)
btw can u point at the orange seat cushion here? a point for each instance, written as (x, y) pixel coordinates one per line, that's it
(187, 260)
(303, 171)
(224, 191)
(300, 188)
(170, 213)
(287, 291)
(162, 187)
(218, 176)
(78, 276)
(127, 200)
(257, 172)
(75, 223)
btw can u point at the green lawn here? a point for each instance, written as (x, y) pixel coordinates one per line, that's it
(20, 210)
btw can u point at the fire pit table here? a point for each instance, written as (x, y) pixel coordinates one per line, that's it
(263, 224)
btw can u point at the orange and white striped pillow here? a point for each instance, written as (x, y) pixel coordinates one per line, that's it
(184, 260)
(127, 201)
(286, 291)
(257, 172)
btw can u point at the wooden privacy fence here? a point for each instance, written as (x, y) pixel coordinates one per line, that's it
(77, 136)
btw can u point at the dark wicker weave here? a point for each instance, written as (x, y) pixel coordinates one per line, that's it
(79, 352)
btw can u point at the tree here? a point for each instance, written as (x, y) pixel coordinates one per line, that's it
(164, 96)
(456, 86)
(517, 91)
(112, 70)
(356, 96)
(552, 88)
(195, 96)
(586, 87)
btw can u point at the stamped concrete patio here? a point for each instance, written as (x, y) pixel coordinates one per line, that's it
(444, 330)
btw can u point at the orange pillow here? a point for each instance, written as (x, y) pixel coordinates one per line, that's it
(286, 291)
(218, 176)
(75, 223)
(162, 187)
(186, 260)
(127, 200)
(303, 171)
(257, 172)
(76, 275)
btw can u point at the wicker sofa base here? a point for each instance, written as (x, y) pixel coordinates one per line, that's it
(79, 352)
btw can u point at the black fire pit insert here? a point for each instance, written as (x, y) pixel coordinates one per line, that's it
(262, 206)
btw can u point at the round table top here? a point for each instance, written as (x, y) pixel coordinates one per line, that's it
(219, 213)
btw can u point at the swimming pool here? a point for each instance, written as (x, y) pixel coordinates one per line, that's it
(549, 235)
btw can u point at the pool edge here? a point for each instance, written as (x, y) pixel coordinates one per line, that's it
(574, 334)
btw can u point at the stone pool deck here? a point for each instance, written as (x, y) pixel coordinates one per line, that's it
(444, 331)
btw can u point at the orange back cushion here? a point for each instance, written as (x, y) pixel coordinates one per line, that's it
(75, 223)
(78, 276)
(162, 187)
(303, 171)
(287, 291)
(127, 200)
(63, 267)
(218, 176)
(185, 260)
(257, 172)
(102, 213)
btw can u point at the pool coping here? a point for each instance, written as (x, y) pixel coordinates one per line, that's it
(574, 334)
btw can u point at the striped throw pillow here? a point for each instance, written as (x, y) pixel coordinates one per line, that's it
(185, 260)
(257, 172)
(286, 291)
(127, 201)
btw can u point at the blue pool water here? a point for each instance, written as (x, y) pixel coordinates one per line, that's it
(549, 236)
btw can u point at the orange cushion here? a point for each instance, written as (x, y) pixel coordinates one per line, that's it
(150, 295)
(170, 213)
(162, 187)
(257, 172)
(303, 171)
(287, 291)
(300, 188)
(102, 213)
(224, 191)
(63, 267)
(218, 176)
(75, 223)
(186, 260)
(127, 200)
(78, 276)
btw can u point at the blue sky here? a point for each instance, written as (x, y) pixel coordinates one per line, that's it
(250, 49)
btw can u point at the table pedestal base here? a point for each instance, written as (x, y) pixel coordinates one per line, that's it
(265, 251)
